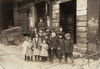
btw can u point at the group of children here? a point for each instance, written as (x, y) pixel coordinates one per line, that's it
(46, 44)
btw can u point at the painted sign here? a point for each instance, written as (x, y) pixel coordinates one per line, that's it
(81, 7)
(81, 4)
(55, 10)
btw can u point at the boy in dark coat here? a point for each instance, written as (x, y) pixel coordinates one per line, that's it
(53, 45)
(60, 47)
(68, 47)
(41, 25)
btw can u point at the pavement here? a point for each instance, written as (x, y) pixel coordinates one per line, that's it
(11, 58)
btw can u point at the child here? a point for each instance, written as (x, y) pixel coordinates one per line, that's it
(60, 47)
(24, 45)
(60, 31)
(44, 51)
(68, 47)
(53, 45)
(36, 44)
(41, 24)
(29, 50)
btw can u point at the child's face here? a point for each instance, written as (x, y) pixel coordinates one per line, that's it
(30, 40)
(40, 33)
(68, 37)
(53, 34)
(41, 20)
(44, 41)
(60, 29)
(60, 36)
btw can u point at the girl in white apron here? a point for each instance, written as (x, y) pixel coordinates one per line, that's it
(25, 45)
(44, 51)
(37, 44)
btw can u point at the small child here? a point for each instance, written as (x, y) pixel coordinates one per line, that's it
(25, 45)
(36, 44)
(68, 47)
(60, 47)
(44, 51)
(29, 50)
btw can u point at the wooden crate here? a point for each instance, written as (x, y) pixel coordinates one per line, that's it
(9, 36)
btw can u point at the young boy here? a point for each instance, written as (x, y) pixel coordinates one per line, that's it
(60, 31)
(25, 45)
(44, 51)
(53, 45)
(60, 47)
(41, 24)
(68, 47)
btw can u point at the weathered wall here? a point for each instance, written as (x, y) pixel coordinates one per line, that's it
(0, 14)
(82, 23)
(92, 24)
(6, 13)
(21, 18)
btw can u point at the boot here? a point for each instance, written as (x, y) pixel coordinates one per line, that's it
(35, 58)
(28, 58)
(31, 58)
(24, 57)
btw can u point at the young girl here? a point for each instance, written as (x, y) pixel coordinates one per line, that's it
(29, 50)
(44, 51)
(36, 44)
(25, 45)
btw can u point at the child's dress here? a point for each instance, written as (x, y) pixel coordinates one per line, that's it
(24, 45)
(29, 49)
(44, 50)
(36, 43)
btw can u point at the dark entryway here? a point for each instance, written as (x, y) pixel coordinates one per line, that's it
(68, 18)
(41, 11)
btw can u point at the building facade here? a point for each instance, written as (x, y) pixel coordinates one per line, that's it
(6, 14)
(78, 17)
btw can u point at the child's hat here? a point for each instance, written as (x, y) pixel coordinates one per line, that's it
(60, 34)
(67, 34)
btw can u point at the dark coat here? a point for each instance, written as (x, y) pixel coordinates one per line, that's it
(61, 46)
(54, 42)
(32, 34)
(68, 46)
(41, 25)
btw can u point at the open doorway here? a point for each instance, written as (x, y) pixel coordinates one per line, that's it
(41, 11)
(68, 18)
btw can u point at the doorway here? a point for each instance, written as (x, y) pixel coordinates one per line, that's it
(41, 11)
(68, 18)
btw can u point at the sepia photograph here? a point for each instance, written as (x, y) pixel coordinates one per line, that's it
(49, 34)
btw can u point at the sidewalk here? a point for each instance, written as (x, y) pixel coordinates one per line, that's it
(11, 58)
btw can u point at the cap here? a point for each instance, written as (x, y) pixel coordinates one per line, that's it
(67, 34)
